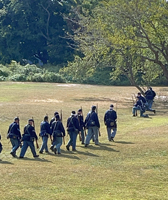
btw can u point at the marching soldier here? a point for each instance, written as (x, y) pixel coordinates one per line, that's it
(58, 133)
(53, 119)
(28, 139)
(44, 133)
(81, 124)
(73, 130)
(110, 118)
(93, 125)
(14, 135)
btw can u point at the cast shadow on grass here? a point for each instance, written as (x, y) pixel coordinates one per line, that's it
(95, 99)
(101, 147)
(34, 159)
(65, 154)
(87, 153)
(123, 142)
(5, 162)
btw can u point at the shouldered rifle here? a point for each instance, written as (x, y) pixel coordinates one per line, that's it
(61, 121)
(134, 96)
(35, 131)
(61, 115)
(83, 118)
(80, 138)
(97, 116)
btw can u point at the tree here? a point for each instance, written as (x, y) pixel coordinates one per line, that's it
(34, 28)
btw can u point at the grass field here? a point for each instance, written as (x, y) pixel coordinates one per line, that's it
(134, 167)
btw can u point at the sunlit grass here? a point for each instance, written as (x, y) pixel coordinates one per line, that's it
(134, 167)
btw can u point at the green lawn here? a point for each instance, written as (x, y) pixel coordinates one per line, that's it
(134, 167)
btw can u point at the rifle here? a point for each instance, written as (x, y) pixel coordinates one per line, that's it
(80, 138)
(61, 115)
(97, 116)
(134, 102)
(61, 121)
(83, 117)
(19, 140)
(35, 131)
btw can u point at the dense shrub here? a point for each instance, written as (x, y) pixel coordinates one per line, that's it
(17, 72)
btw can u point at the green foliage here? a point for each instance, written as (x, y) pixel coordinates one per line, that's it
(31, 27)
(17, 72)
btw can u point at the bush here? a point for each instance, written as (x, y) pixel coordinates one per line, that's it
(17, 72)
(17, 77)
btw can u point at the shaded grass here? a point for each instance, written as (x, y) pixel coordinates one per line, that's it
(134, 167)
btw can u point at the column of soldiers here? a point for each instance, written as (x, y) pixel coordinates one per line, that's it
(55, 131)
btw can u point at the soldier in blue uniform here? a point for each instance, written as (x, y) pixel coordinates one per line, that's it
(58, 133)
(28, 139)
(53, 119)
(140, 105)
(93, 125)
(110, 118)
(150, 95)
(81, 124)
(45, 132)
(14, 135)
(73, 130)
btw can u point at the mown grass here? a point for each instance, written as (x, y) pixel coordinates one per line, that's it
(134, 167)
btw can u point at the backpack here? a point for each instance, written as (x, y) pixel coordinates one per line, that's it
(109, 121)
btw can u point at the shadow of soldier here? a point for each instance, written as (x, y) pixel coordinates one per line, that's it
(5, 162)
(65, 154)
(101, 147)
(123, 142)
(35, 159)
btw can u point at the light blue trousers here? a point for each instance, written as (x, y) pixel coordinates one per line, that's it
(27, 144)
(111, 132)
(93, 132)
(44, 144)
(15, 144)
(57, 143)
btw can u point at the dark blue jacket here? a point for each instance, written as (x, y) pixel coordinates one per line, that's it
(139, 103)
(110, 116)
(92, 120)
(72, 124)
(81, 122)
(14, 131)
(29, 133)
(52, 120)
(141, 98)
(150, 94)
(58, 126)
(45, 129)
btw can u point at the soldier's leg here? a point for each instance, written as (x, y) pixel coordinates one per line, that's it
(58, 144)
(70, 142)
(43, 145)
(82, 136)
(24, 148)
(15, 145)
(109, 133)
(0, 147)
(96, 134)
(113, 133)
(89, 136)
(32, 147)
(74, 141)
(134, 109)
